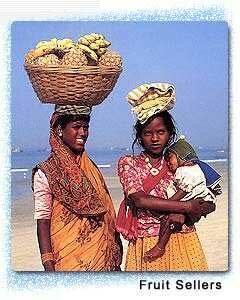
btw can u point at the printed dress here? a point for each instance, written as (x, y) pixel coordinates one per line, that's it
(183, 251)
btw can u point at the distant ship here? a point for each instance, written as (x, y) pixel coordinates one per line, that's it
(119, 148)
(16, 149)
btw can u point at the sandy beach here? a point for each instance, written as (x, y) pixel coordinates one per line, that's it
(213, 231)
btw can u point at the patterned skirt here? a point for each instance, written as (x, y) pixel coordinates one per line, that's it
(183, 253)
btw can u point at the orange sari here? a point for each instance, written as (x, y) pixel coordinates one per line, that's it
(85, 244)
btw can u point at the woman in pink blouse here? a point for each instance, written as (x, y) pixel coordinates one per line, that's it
(145, 178)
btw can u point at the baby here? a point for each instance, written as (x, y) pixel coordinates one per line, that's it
(190, 182)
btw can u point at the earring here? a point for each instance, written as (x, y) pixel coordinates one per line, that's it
(60, 133)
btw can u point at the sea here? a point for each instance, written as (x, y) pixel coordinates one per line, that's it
(23, 162)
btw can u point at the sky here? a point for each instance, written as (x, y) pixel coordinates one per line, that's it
(191, 55)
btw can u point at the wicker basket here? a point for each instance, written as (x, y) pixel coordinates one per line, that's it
(88, 85)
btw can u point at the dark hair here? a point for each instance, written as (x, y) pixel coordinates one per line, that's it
(168, 122)
(63, 120)
(167, 152)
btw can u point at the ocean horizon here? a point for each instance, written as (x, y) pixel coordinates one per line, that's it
(28, 158)
(106, 159)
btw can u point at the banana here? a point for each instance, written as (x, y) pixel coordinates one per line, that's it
(29, 56)
(52, 43)
(95, 42)
(84, 41)
(107, 43)
(35, 53)
(94, 36)
(42, 43)
(67, 41)
(90, 38)
(94, 46)
(97, 36)
(42, 51)
(101, 51)
(88, 52)
(100, 36)
(86, 36)
(64, 45)
(60, 45)
(100, 43)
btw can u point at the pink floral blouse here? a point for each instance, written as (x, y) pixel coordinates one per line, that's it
(132, 171)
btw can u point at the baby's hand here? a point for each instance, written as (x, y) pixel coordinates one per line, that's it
(153, 254)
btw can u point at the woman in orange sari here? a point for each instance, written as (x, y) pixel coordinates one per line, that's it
(74, 211)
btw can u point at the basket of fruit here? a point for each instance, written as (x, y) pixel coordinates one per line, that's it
(64, 72)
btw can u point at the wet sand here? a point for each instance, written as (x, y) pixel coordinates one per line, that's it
(213, 231)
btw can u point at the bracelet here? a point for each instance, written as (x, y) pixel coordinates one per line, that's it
(47, 257)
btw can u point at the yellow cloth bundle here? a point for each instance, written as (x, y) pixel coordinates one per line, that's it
(149, 99)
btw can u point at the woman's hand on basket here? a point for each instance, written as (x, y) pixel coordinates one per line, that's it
(198, 208)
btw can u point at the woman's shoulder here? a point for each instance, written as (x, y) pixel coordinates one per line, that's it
(42, 168)
(129, 159)
(39, 175)
(44, 165)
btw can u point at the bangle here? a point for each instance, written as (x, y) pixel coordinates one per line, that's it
(47, 257)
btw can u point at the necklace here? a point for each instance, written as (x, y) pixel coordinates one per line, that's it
(153, 170)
